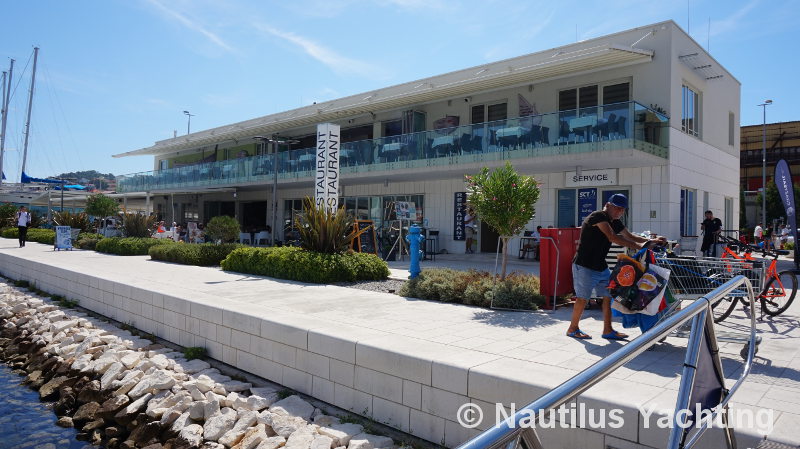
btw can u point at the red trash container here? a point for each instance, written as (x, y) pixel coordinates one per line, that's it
(557, 281)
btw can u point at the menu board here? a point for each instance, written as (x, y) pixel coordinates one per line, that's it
(63, 238)
(366, 242)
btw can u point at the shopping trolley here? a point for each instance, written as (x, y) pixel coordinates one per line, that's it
(693, 277)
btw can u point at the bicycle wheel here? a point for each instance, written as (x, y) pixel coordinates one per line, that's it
(777, 297)
(723, 307)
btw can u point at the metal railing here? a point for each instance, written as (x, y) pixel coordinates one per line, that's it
(592, 129)
(514, 433)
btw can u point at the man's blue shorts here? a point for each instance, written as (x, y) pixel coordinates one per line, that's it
(585, 280)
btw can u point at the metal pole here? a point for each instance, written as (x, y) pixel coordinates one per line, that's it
(274, 192)
(189, 124)
(6, 98)
(62, 195)
(30, 106)
(764, 165)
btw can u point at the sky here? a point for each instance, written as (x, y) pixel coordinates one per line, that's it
(116, 75)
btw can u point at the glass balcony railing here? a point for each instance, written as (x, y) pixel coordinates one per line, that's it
(600, 128)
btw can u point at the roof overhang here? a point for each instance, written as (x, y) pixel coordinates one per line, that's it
(537, 67)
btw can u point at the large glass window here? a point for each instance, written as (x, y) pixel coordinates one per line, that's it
(688, 212)
(616, 93)
(392, 128)
(690, 111)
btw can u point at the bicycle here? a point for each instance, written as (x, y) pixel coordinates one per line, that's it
(779, 290)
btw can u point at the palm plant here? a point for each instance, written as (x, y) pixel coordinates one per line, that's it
(323, 231)
(137, 225)
(75, 220)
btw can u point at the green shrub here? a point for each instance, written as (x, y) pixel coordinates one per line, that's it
(306, 266)
(46, 236)
(75, 220)
(194, 352)
(129, 246)
(204, 254)
(87, 243)
(325, 232)
(90, 235)
(788, 245)
(138, 225)
(7, 213)
(223, 228)
(479, 288)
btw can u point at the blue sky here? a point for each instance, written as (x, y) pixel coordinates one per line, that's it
(115, 75)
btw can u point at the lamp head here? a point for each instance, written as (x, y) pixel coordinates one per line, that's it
(186, 112)
(767, 101)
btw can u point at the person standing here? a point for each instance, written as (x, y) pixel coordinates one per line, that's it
(589, 268)
(23, 220)
(711, 229)
(469, 229)
(758, 235)
(784, 235)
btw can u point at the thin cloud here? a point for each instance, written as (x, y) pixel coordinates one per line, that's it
(733, 21)
(326, 56)
(192, 25)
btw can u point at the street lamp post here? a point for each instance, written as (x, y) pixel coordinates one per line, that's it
(764, 165)
(275, 142)
(189, 123)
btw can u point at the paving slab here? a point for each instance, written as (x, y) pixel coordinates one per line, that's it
(407, 361)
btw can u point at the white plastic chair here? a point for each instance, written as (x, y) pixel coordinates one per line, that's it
(245, 237)
(262, 238)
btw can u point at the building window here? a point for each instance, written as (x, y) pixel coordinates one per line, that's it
(616, 93)
(688, 212)
(690, 113)
(163, 164)
(731, 127)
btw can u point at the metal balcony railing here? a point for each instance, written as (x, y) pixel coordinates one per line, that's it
(583, 130)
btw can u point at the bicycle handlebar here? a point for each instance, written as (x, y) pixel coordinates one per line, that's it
(729, 241)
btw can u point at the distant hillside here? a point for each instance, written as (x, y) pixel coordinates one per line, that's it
(99, 180)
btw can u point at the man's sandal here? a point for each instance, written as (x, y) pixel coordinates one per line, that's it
(579, 335)
(614, 335)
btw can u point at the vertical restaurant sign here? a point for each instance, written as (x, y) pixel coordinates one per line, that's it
(587, 203)
(458, 217)
(783, 180)
(326, 181)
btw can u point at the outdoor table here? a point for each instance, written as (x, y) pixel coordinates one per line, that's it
(583, 124)
(306, 161)
(511, 131)
(391, 150)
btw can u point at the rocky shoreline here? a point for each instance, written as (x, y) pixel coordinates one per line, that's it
(120, 391)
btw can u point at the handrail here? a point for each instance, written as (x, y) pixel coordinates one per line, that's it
(503, 433)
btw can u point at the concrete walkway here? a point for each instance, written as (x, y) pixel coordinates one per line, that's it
(406, 362)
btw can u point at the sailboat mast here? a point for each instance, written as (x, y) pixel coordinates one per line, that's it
(30, 106)
(6, 99)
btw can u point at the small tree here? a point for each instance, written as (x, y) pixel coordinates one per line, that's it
(325, 232)
(137, 225)
(101, 206)
(223, 228)
(504, 200)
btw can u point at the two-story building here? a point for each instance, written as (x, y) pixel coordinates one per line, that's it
(646, 112)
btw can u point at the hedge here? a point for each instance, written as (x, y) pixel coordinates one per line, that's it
(306, 266)
(46, 236)
(204, 254)
(129, 246)
(480, 288)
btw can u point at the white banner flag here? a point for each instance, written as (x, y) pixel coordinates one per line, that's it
(326, 183)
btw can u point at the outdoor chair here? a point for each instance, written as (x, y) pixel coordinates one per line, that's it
(261, 239)
(245, 237)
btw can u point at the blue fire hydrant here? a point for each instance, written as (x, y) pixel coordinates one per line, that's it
(414, 238)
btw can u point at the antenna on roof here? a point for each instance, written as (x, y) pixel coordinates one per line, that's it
(688, 15)
(708, 38)
(576, 32)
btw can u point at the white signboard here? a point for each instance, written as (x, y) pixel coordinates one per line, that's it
(63, 237)
(591, 178)
(326, 182)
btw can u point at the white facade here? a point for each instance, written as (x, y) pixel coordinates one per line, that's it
(655, 63)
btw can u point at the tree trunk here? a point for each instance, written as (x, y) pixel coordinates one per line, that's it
(505, 257)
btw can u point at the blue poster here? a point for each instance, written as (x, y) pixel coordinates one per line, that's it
(63, 238)
(587, 203)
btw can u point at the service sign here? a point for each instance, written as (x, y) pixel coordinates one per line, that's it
(591, 178)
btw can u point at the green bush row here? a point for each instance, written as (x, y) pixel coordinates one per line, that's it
(46, 236)
(204, 254)
(480, 288)
(129, 246)
(306, 266)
